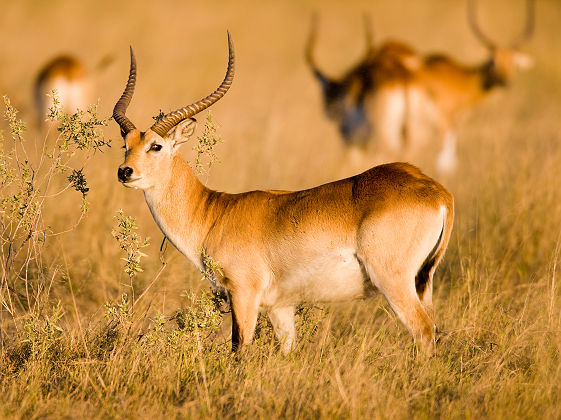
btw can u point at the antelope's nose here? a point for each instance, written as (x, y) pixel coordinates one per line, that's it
(124, 173)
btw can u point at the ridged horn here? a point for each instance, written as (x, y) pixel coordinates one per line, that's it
(167, 122)
(472, 18)
(123, 103)
(530, 24)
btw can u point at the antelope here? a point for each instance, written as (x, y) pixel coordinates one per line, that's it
(369, 99)
(68, 76)
(384, 229)
(452, 87)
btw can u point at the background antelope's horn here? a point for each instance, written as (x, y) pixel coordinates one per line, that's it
(123, 103)
(530, 24)
(472, 18)
(166, 123)
(310, 46)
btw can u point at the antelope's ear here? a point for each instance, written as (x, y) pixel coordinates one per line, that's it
(523, 61)
(182, 131)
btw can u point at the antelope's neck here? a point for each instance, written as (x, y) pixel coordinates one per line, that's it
(179, 209)
(490, 78)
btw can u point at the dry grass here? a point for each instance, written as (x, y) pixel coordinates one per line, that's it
(497, 292)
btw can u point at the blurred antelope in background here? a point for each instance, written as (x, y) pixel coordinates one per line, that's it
(369, 99)
(68, 76)
(442, 88)
(384, 229)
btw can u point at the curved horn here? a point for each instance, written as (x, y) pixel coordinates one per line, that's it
(310, 45)
(123, 103)
(475, 27)
(166, 123)
(530, 23)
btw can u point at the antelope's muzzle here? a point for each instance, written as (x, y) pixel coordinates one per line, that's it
(124, 173)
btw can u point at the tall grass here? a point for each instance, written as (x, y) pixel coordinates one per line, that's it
(80, 337)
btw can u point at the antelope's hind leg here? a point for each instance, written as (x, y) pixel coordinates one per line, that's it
(447, 160)
(392, 250)
(389, 120)
(283, 325)
(399, 290)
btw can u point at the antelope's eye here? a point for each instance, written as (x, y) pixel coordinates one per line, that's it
(155, 147)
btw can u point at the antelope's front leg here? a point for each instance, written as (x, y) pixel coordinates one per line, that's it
(245, 308)
(283, 325)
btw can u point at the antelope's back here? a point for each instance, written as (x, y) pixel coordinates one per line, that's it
(64, 67)
(68, 77)
(394, 62)
(341, 205)
(396, 184)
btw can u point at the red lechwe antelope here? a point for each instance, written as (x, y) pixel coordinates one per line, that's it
(369, 99)
(384, 229)
(69, 78)
(443, 88)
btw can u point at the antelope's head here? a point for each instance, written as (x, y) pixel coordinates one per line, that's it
(149, 154)
(344, 98)
(503, 61)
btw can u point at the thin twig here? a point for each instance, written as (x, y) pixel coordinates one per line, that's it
(164, 264)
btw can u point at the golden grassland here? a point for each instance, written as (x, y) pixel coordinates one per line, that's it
(497, 294)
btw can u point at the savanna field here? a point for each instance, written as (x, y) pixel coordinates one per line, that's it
(91, 330)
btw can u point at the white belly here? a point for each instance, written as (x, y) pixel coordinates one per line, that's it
(334, 276)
